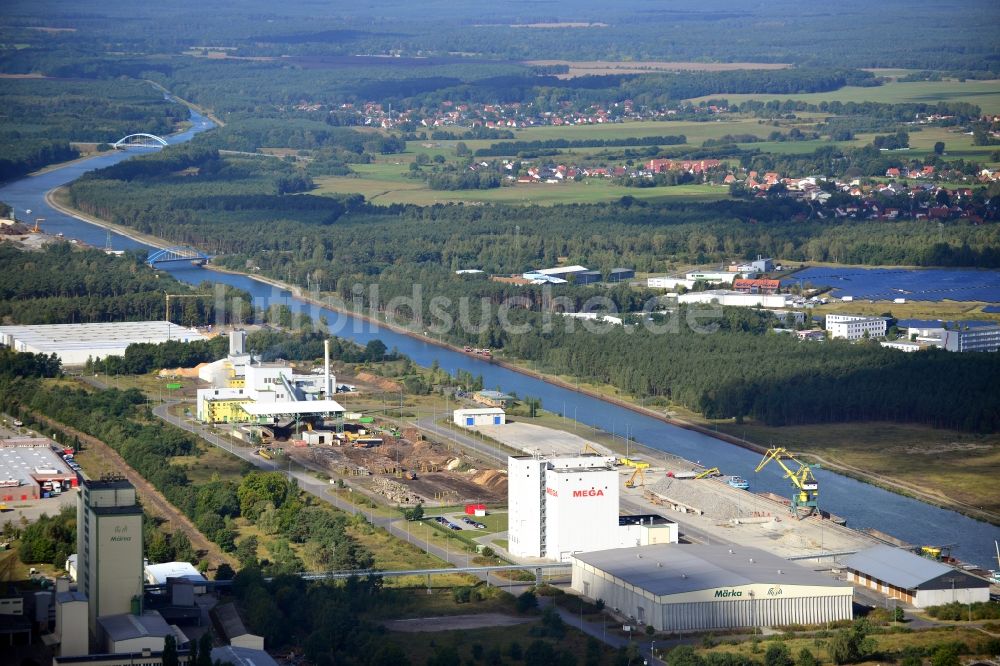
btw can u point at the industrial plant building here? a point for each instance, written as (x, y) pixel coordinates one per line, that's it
(250, 391)
(75, 343)
(561, 506)
(855, 327)
(916, 580)
(109, 547)
(975, 339)
(675, 587)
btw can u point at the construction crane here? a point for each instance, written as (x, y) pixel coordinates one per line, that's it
(638, 478)
(37, 229)
(709, 473)
(805, 489)
(631, 462)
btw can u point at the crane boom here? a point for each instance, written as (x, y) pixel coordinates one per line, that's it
(806, 488)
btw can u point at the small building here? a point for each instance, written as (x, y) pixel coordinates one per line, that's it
(560, 272)
(814, 335)
(762, 265)
(711, 276)
(621, 274)
(320, 437)
(758, 286)
(646, 530)
(675, 587)
(126, 633)
(160, 574)
(855, 327)
(668, 283)
(492, 398)
(916, 580)
(479, 416)
(229, 625)
(789, 317)
(71, 623)
(902, 345)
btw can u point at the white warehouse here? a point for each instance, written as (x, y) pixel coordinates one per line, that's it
(75, 343)
(677, 587)
(730, 298)
(900, 574)
(479, 416)
(562, 506)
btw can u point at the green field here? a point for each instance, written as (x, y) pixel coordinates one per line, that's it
(385, 183)
(984, 93)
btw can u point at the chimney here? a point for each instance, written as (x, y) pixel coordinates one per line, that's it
(326, 369)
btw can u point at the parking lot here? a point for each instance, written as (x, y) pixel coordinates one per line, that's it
(459, 522)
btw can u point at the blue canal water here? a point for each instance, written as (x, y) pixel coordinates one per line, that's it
(886, 284)
(863, 505)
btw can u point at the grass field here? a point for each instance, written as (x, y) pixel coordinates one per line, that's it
(948, 464)
(945, 310)
(384, 183)
(886, 643)
(984, 93)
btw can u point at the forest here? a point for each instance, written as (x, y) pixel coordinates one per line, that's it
(65, 285)
(40, 117)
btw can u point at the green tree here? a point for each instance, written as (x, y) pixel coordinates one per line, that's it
(777, 654)
(224, 572)
(170, 651)
(939, 147)
(946, 654)
(526, 601)
(851, 645)
(205, 650)
(806, 658)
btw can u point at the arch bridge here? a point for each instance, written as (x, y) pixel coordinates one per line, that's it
(179, 253)
(139, 141)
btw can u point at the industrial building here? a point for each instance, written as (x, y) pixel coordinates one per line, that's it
(558, 275)
(561, 506)
(976, 339)
(757, 286)
(711, 276)
(731, 298)
(621, 274)
(695, 588)
(916, 580)
(75, 343)
(790, 317)
(30, 469)
(159, 574)
(128, 632)
(855, 327)
(249, 391)
(109, 547)
(479, 416)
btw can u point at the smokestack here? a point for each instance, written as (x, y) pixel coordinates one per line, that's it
(326, 369)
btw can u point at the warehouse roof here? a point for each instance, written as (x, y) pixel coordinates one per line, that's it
(127, 626)
(561, 270)
(899, 567)
(20, 460)
(665, 569)
(241, 656)
(159, 573)
(55, 338)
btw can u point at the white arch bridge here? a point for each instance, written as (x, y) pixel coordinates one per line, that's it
(139, 141)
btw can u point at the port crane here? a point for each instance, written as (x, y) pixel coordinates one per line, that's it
(805, 489)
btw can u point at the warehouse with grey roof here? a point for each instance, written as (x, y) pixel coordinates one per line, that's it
(899, 574)
(679, 587)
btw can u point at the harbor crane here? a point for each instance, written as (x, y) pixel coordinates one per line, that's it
(805, 489)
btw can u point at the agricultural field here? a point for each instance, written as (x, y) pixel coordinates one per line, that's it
(984, 93)
(605, 67)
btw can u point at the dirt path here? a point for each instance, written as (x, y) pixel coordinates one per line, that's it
(453, 622)
(152, 499)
